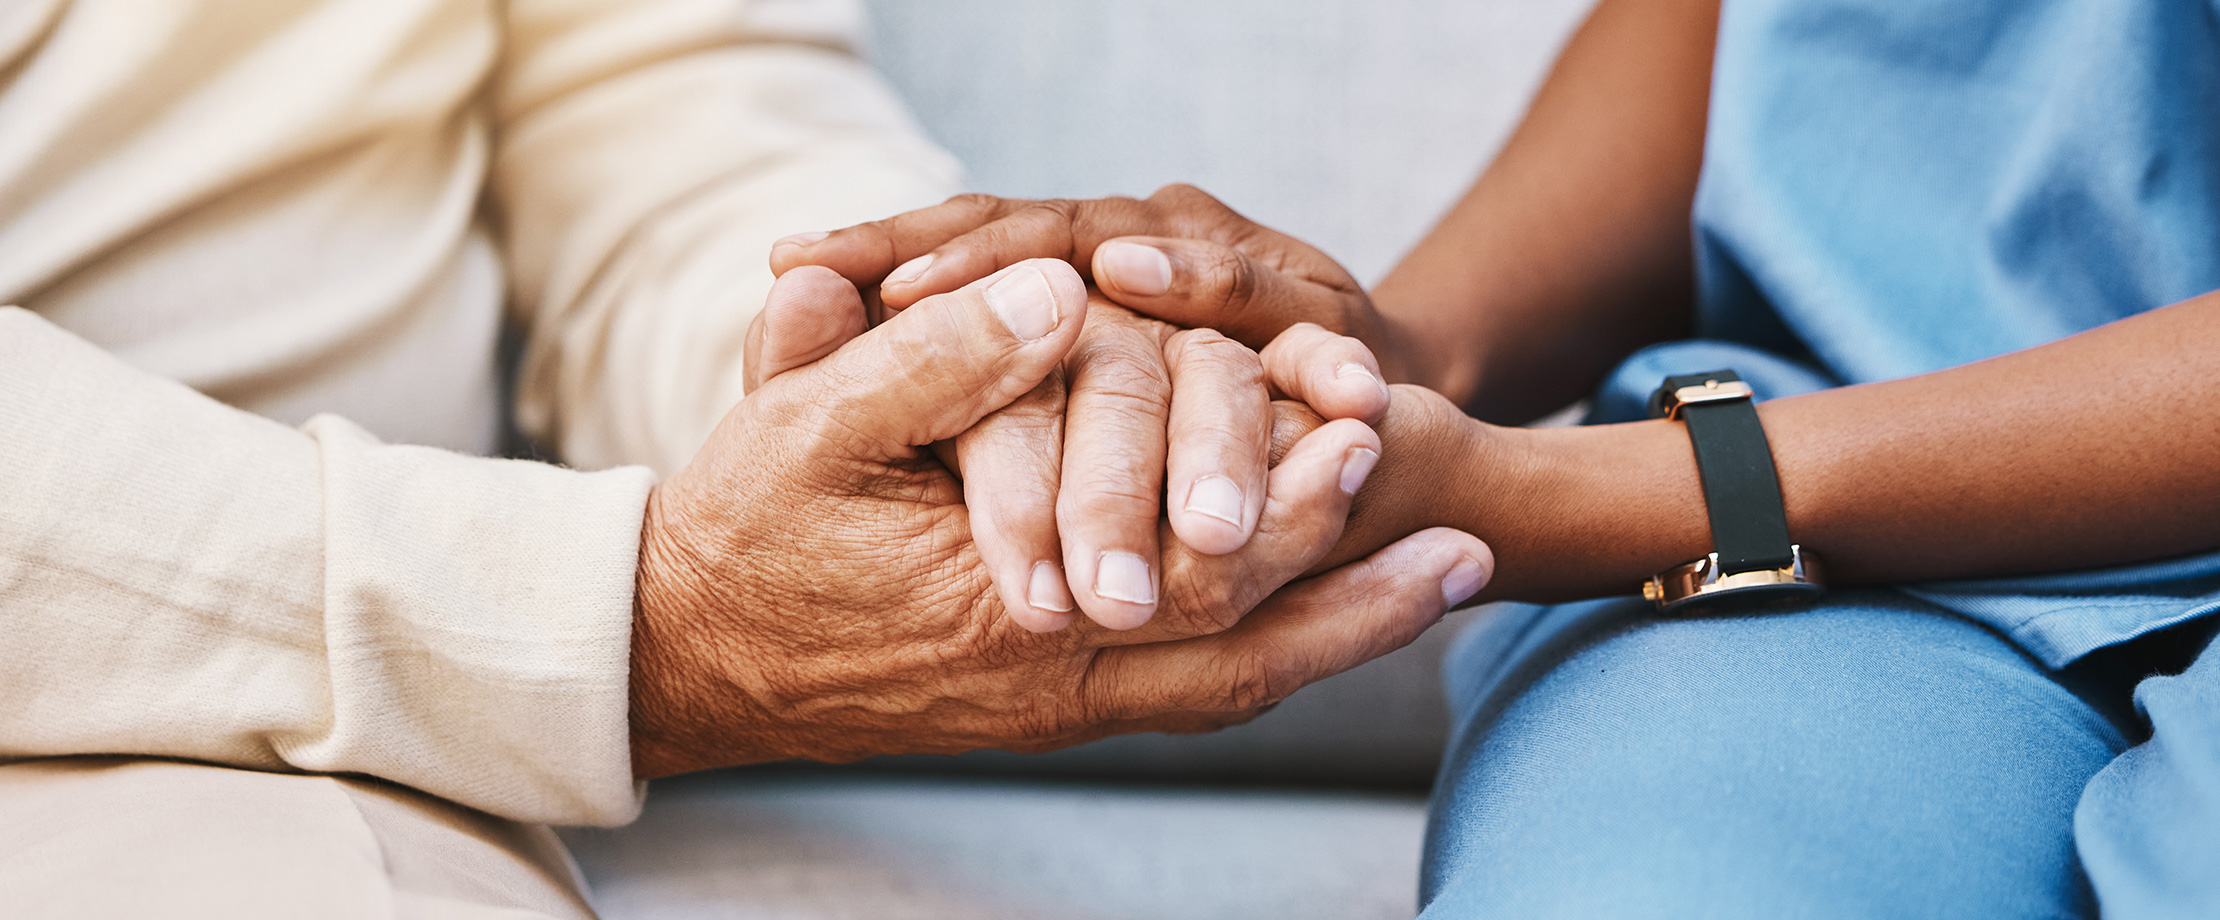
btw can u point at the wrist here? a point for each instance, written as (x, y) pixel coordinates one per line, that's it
(1590, 511)
(678, 662)
(1413, 348)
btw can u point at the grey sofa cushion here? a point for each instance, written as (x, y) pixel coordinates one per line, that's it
(1379, 726)
(774, 845)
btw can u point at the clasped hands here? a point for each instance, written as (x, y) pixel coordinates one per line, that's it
(1015, 513)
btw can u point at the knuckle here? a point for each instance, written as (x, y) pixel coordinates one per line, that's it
(1234, 291)
(1237, 280)
(1115, 368)
(1108, 212)
(1023, 429)
(1208, 605)
(1252, 682)
(1114, 495)
(1123, 394)
(1043, 229)
(977, 202)
(1182, 193)
(1291, 422)
(1211, 350)
(1295, 415)
(1193, 211)
(1202, 339)
(1418, 404)
(1221, 274)
(1050, 721)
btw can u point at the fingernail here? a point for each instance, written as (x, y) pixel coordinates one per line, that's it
(1217, 497)
(1137, 269)
(1124, 577)
(1047, 590)
(801, 239)
(1023, 302)
(910, 271)
(1462, 582)
(1357, 467)
(1358, 371)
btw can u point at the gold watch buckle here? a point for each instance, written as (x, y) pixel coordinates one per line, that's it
(1696, 583)
(1709, 391)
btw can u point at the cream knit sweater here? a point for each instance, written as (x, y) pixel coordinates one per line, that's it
(317, 211)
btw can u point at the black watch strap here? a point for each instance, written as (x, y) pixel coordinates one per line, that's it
(1742, 493)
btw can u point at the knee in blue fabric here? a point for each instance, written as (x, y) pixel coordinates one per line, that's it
(2148, 826)
(1870, 757)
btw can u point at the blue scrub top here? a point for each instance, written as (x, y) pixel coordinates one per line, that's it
(1893, 187)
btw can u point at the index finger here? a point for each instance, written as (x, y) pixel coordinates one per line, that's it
(1059, 229)
(1219, 439)
(1113, 478)
(940, 249)
(1334, 374)
(866, 253)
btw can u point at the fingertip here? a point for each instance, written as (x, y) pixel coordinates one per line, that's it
(1123, 590)
(1359, 393)
(807, 277)
(791, 251)
(801, 240)
(1130, 267)
(908, 273)
(1208, 536)
(1048, 596)
(1358, 433)
(1330, 451)
(809, 299)
(1214, 517)
(1071, 290)
(907, 283)
(808, 313)
(1356, 466)
(1121, 618)
(1466, 562)
(1034, 298)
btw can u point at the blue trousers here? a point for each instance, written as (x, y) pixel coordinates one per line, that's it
(1873, 756)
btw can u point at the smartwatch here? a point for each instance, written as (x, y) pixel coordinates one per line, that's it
(1752, 563)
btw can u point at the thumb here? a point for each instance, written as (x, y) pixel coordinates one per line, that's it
(810, 312)
(1201, 284)
(934, 370)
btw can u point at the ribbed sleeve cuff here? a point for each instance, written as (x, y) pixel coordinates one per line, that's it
(478, 615)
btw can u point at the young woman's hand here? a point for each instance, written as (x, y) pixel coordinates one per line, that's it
(1179, 255)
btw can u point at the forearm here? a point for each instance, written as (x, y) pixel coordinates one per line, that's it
(1573, 248)
(182, 579)
(640, 184)
(2099, 449)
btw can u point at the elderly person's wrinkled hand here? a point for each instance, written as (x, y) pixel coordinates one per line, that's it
(1145, 418)
(810, 586)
